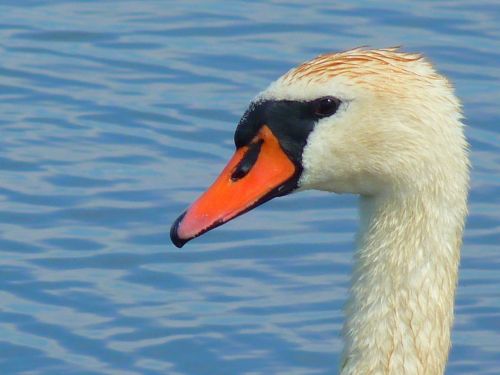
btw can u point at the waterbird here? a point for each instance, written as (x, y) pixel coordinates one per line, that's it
(385, 125)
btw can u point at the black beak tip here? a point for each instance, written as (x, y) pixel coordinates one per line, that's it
(174, 237)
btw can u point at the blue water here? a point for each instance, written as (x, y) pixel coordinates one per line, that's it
(114, 115)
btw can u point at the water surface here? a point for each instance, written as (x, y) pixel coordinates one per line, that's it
(115, 115)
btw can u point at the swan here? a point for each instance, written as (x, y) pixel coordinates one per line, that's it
(384, 125)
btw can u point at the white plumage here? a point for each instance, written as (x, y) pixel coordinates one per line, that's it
(397, 140)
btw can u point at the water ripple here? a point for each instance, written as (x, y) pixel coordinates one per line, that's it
(115, 117)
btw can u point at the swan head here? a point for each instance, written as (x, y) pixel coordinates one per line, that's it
(362, 121)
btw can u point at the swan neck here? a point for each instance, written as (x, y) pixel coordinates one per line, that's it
(400, 310)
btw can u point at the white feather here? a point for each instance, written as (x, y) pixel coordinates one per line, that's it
(398, 141)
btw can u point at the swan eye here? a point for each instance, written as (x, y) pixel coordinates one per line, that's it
(325, 107)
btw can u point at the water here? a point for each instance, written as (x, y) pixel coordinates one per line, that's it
(116, 114)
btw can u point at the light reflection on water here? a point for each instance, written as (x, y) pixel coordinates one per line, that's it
(115, 115)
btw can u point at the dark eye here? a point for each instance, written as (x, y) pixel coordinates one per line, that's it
(325, 107)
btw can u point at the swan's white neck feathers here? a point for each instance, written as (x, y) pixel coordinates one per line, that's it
(398, 142)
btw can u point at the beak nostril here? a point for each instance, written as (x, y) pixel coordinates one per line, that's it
(239, 173)
(248, 161)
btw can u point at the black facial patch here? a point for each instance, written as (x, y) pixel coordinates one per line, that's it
(290, 121)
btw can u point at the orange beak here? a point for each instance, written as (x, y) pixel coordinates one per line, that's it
(255, 174)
